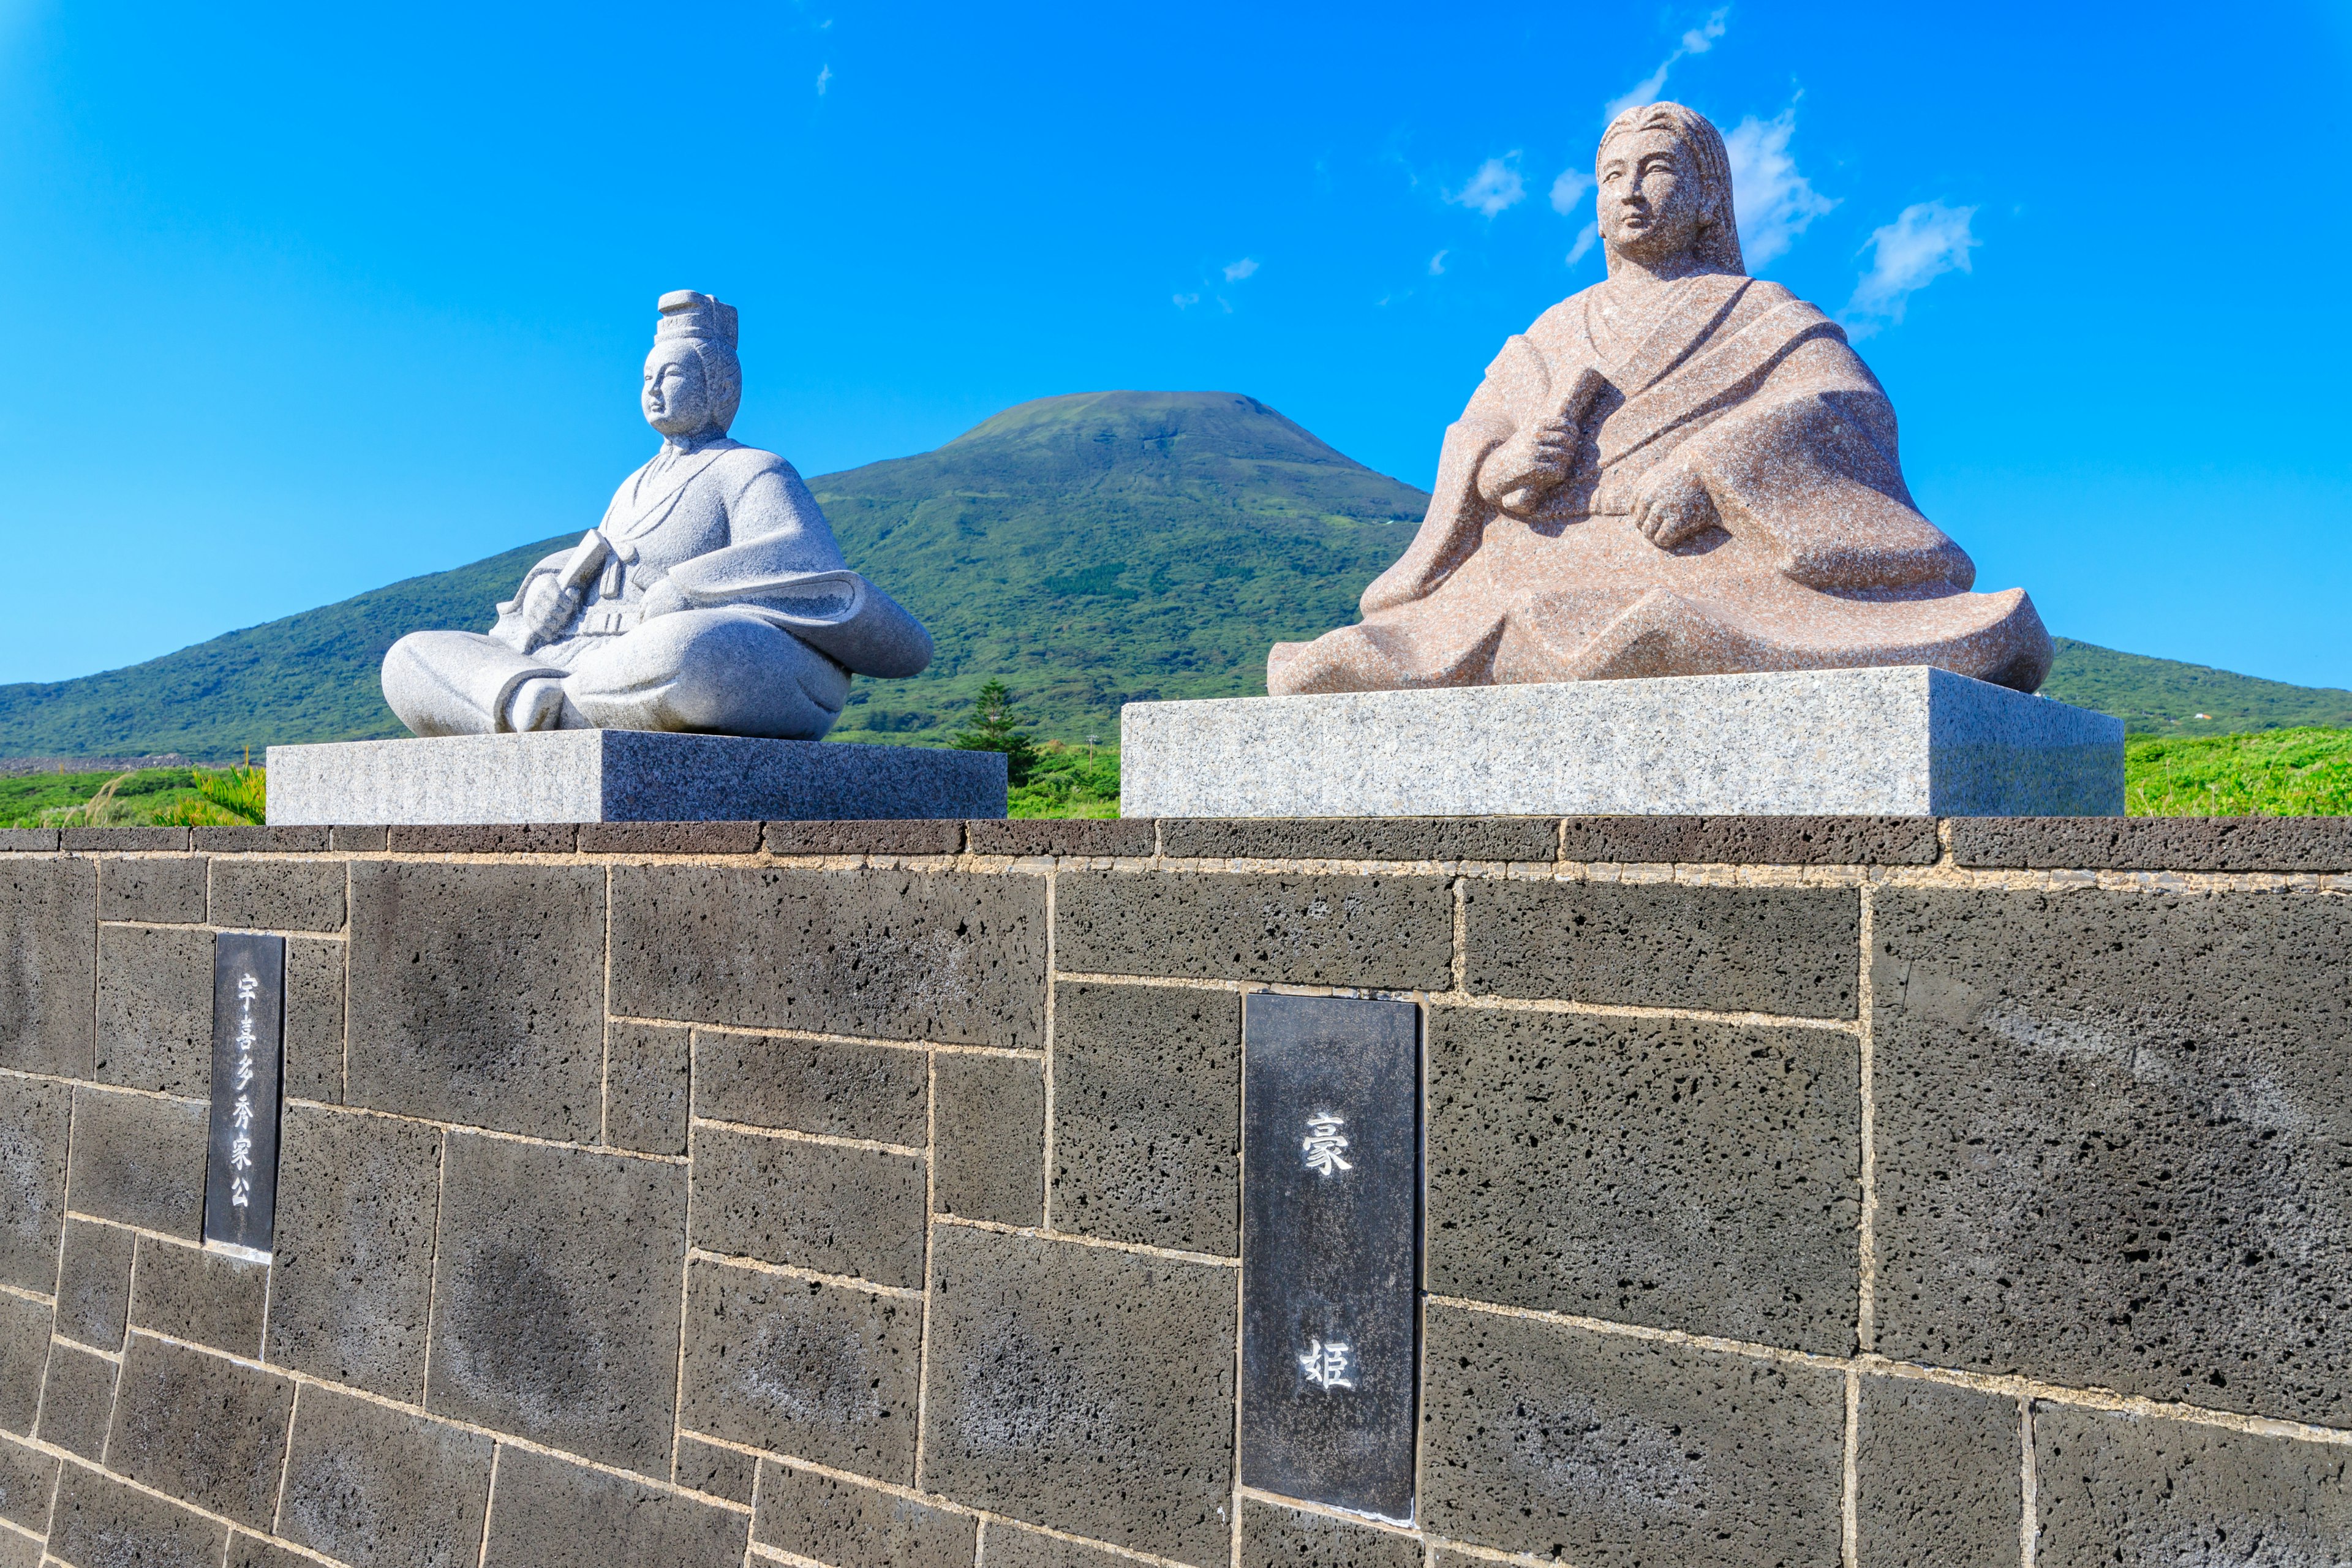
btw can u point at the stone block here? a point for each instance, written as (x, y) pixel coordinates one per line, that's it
(988, 1137)
(1277, 1537)
(905, 956)
(877, 1092)
(206, 1430)
(34, 1134)
(825, 1373)
(2108, 1130)
(28, 1478)
(1085, 1389)
(248, 840)
(669, 839)
(486, 838)
(1068, 836)
(48, 964)
(648, 1084)
(917, 837)
(477, 995)
(550, 1513)
(721, 1472)
(138, 1160)
(2304, 844)
(252, 1552)
(829, 1208)
(626, 775)
(100, 1523)
(164, 888)
(28, 841)
(94, 1284)
(77, 1400)
(20, 1551)
(1004, 1545)
(2120, 1488)
(1148, 1115)
(1939, 1475)
(24, 1358)
(1909, 741)
(314, 1019)
(1676, 1174)
(353, 1253)
(1362, 838)
(207, 1297)
(1394, 932)
(827, 1520)
(381, 1489)
(124, 840)
(555, 1298)
(155, 1008)
(1790, 951)
(279, 895)
(356, 840)
(1753, 840)
(1545, 1438)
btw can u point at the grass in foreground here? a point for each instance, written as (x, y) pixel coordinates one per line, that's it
(2272, 773)
(177, 797)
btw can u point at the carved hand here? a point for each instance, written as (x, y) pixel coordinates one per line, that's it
(1671, 505)
(547, 607)
(663, 597)
(1516, 474)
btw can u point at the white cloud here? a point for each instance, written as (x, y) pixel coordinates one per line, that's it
(1925, 240)
(1584, 242)
(1774, 201)
(1568, 190)
(1494, 186)
(1241, 270)
(1697, 41)
(1437, 264)
(823, 77)
(1184, 301)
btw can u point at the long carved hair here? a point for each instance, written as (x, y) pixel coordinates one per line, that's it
(1718, 235)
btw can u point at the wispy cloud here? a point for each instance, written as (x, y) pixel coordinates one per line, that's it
(1586, 238)
(1568, 190)
(1925, 240)
(1697, 41)
(1437, 264)
(1775, 202)
(1495, 185)
(1241, 270)
(1186, 301)
(823, 78)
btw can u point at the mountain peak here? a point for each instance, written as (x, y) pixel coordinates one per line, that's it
(1229, 423)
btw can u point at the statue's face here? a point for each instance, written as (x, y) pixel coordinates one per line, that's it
(1650, 200)
(675, 400)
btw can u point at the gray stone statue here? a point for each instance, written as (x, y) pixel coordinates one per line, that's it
(711, 598)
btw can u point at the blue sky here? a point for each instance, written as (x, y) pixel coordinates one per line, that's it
(313, 297)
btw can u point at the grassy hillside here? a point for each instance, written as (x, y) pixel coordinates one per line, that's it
(2161, 697)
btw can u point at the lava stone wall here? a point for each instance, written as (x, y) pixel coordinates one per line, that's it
(1799, 1191)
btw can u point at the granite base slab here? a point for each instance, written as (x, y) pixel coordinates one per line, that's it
(1911, 741)
(625, 775)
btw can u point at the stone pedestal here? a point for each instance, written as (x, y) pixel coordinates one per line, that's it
(625, 775)
(1899, 741)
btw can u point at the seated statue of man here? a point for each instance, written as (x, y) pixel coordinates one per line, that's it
(711, 598)
(1681, 470)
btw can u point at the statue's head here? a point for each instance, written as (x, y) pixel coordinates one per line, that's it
(693, 382)
(1665, 189)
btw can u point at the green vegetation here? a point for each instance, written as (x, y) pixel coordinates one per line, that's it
(2277, 773)
(2163, 696)
(995, 728)
(1068, 780)
(183, 797)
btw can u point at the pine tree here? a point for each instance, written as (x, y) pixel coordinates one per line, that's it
(995, 727)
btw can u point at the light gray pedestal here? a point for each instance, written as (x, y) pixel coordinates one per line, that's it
(625, 775)
(1910, 742)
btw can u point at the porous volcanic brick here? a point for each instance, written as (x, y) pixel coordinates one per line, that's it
(248, 838)
(33, 1141)
(252, 1552)
(2109, 1132)
(1690, 1176)
(358, 840)
(477, 995)
(1602, 1449)
(880, 1092)
(1010, 1546)
(279, 895)
(354, 1251)
(1070, 835)
(100, 1523)
(831, 1520)
(824, 1373)
(648, 1084)
(1277, 1537)
(552, 1514)
(907, 956)
(2118, 1488)
(1148, 1115)
(381, 1489)
(1752, 840)
(829, 1208)
(155, 1008)
(314, 1019)
(27, 1480)
(1362, 838)
(1311, 931)
(2156, 843)
(483, 838)
(912, 835)
(1790, 951)
(722, 1472)
(1939, 1475)
(125, 840)
(139, 1161)
(988, 1137)
(94, 1283)
(76, 1399)
(48, 964)
(167, 889)
(19, 1550)
(24, 1356)
(555, 1300)
(1083, 1388)
(28, 841)
(201, 1428)
(669, 839)
(209, 1297)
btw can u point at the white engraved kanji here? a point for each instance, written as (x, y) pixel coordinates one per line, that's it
(1327, 1366)
(1323, 1143)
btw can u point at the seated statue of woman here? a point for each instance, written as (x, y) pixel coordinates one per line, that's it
(712, 596)
(1682, 470)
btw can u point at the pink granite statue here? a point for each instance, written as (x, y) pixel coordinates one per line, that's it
(1683, 470)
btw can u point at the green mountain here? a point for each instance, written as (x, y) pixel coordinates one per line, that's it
(1090, 551)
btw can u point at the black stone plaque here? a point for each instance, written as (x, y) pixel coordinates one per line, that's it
(248, 1049)
(1331, 1249)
